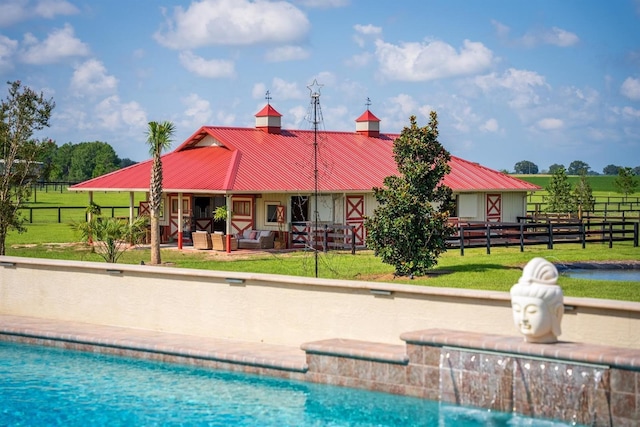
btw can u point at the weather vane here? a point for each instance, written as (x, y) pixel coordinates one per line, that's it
(314, 89)
(267, 96)
(368, 103)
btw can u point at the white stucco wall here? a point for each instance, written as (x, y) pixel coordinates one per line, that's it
(278, 309)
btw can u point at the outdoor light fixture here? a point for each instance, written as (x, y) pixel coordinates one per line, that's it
(114, 271)
(234, 281)
(380, 292)
(7, 264)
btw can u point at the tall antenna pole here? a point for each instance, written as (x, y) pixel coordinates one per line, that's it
(314, 89)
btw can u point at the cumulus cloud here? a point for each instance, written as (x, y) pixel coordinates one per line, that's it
(198, 112)
(7, 50)
(91, 77)
(111, 113)
(12, 11)
(553, 36)
(324, 4)
(60, 44)
(550, 123)
(431, 60)
(233, 22)
(631, 88)
(286, 53)
(368, 30)
(490, 125)
(520, 86)
(209, 68)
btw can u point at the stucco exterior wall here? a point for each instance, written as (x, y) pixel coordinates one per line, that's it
(278, 309)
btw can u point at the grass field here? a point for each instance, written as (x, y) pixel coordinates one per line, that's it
(475, 270)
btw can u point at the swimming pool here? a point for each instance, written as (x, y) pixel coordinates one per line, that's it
(624, 275)
(49, 386)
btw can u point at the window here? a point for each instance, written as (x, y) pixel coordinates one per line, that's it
(299, 208)
(271, 208)
(242, 208)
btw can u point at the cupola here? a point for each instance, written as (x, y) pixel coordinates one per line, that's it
(269, 120)
(368, 124)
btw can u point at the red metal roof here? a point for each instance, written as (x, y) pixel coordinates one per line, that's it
(248, 160)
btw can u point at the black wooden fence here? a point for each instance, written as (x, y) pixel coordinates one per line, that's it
(60, 214)
(498, 234)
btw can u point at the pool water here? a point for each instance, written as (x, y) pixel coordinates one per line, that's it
(43, 386)
(624, 275)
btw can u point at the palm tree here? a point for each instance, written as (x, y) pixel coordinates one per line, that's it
(159, 137)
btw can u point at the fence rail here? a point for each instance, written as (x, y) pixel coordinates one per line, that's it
(60, 214)
(494, 234)
(324, 237)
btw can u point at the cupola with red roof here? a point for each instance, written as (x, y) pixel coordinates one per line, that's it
(368, 124)
(269, 120)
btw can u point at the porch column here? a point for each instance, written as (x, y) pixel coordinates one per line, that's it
(131, 207)
(179, 220)
(90, 214)
(228, 224)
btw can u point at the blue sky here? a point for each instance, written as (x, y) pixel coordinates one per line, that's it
(547, 81)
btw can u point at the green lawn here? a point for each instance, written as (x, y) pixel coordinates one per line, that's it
(475, 270)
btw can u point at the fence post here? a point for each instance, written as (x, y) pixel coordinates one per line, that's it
(325, 237)
(488, 239)
(353, 240)
(635, 234)
(610, 235)
(461, 231)
(30, 216)
(521, 237)
(583, 235)
(59, 215)
(550, 242)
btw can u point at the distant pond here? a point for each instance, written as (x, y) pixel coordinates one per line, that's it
(619, 272)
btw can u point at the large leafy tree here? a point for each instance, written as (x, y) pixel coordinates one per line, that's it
(159, 137)
(554, 168)
(578, 167)
(22, 113)
(560, 199)
(525, 167)
(409, 228)
(611, 170)
(626, 182)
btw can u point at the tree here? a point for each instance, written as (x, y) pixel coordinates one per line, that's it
(611, 170)
(559, 193)
(578, 167)
(526, 167)
(22, 113)
(583, 195)
(159, 137)
(112, 236)
(409, 228)
(636, 170)
(554, 168)
(626, 182)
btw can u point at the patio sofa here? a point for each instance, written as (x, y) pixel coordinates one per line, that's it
(256, 239)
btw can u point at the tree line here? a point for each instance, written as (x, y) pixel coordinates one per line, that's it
(577, 167)
(78, 162)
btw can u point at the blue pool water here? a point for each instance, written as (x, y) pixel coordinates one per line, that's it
(42, 386)
(626, 275)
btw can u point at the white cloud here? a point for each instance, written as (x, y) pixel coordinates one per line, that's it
(554, 36)
(233, 22)
(631, 113)
(550, 123)
(431, 60)
(209, 68)
(520, 86)
(51, 8)
(490, 125)
(631, 88)
(279, 90)
(91, 77)
(198, 112)
(7, 49)
(59, 44)
(286, 53)
(112, 114)
(368, 30)
(501, 29)
(12, 11)
(360, 60)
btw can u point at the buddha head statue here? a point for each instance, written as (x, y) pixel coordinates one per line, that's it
(537, 302)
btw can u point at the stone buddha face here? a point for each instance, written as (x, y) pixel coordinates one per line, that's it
(537, 302)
